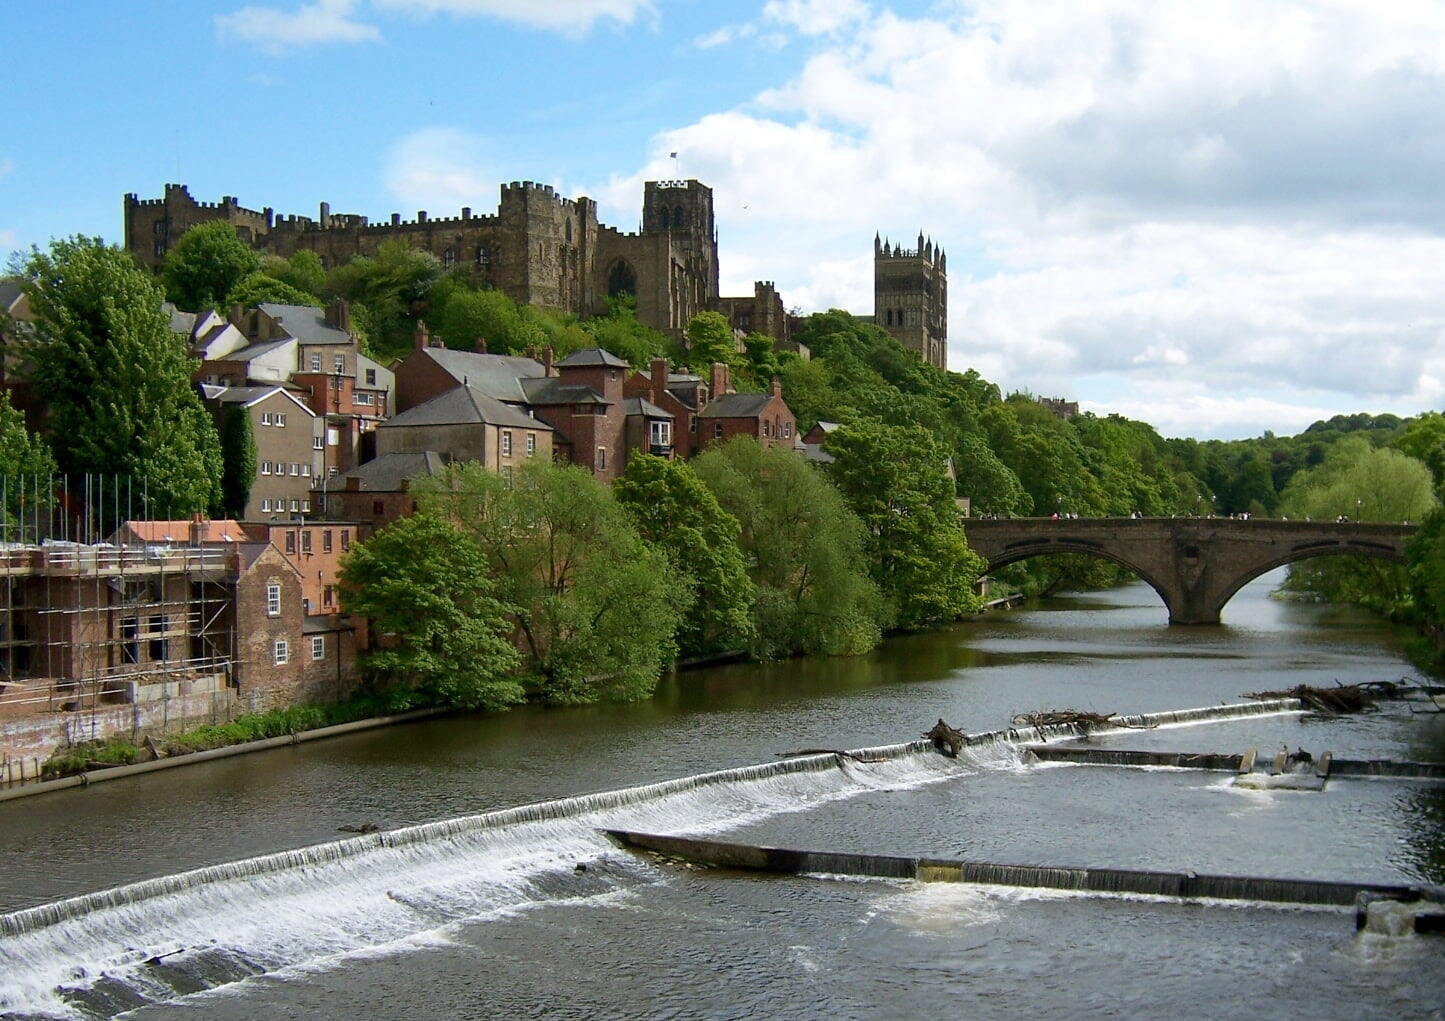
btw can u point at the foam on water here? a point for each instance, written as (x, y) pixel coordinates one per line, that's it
(114, 950)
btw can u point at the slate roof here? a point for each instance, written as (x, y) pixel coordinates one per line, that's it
(181, 322)
(642, 406)
(10, 292)
(387, 473)
(251, 351)
(828, 427)
(496, 376)
(461, 406)
(593, 356)
(550, 390)
(736, 406)
(683, 377)
(305, 323)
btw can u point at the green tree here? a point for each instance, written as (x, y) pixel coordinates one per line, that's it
(675, 512)
(804, 547)
(238, 460)
(460, 315)
(1425, 563)
(620, 333)
(709, 339)
(595, 605)
(302, 270)
(21, 451)
(258, 288)
(427, 591)
(390, 285)
(896, 480)
(116, 380)
(206, 265)
(1424, 440)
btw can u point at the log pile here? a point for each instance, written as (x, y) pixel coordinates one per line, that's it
(1064, 717)
(1343, 698)
(946, 739)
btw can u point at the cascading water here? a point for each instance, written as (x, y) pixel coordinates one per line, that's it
(114, 950)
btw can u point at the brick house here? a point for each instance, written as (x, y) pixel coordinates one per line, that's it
(430, 369)
(288, 437)
(315, 549)
(378, 491)
(764, 416)
(465, 424)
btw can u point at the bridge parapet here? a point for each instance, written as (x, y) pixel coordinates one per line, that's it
(1195, 564)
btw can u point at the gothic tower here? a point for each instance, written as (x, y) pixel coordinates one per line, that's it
(910, 297)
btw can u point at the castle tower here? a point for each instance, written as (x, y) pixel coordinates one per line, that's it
(678, 215)
(910, 296)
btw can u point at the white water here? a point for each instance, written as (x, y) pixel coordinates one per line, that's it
(87, 956)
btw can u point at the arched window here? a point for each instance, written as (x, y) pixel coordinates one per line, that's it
(449, 257)
(666, 218)
(621, 279)
(569, 232)
(900, 317)
(483, 257)
(679, 217)
(890, 317)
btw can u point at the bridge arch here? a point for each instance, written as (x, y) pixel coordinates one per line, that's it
(1377, 551)
(1028, 551)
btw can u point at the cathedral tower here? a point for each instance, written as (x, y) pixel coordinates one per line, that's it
(910, 297)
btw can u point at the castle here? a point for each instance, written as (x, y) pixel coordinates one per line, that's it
(540, 248)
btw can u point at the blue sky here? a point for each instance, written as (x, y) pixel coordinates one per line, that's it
(1221, 218)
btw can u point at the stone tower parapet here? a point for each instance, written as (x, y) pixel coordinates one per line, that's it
(910, 296)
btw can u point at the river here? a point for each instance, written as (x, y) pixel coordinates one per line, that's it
(471, 920)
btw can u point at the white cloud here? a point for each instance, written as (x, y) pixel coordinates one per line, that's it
(275, 31)
(1132, 193)
(723, 36)
(815, 17)
(573, 17)
(441, 170)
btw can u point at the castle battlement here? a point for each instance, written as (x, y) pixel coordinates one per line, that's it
(539, 189)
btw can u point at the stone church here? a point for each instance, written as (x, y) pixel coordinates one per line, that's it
(538, 247)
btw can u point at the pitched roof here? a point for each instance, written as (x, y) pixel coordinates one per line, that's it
(549, 390)
(494, 375)
(249, 395)
(828, 427)
(736, 406)
(181, 322)
(642, 406)
(252, 351)
(10, 292)
(305, 323)
(464, 405)
(220, 530)
(683, 377)
(388, 473)
(593, 356)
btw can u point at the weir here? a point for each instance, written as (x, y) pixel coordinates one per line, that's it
(1328, 764)
(164, 937)
(1178, 885)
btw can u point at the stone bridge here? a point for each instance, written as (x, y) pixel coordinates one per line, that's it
(1195, 564)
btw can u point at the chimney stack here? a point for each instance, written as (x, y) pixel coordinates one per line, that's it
(420, 339)
(338, 315)
(777, 387)
(480, 346)
(547, 369)
(719, 380)
(659, 379)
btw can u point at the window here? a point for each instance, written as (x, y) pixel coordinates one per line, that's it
(482, 255)
(318, 647)
(767, 429)
(265, 505)
(160, 249)
(279, 418)
(159, 227)
(273, 600)
(338, 364)
(328, 595)
(282, 651)
(345, 540)
(265, 467)
(159, 648)
(602, 459)
(364, 399)
(449, 257)
(306, 506)
(305, 471)
(506, 443)
(295, 506)
(531, 444)
(660, 433)
(371, 377)
(787, 430)
(692, 426)
(130, 647)
(378, 507)
(331, 472)
(333, 436)
(717, 430)
(290, 542)
(326, 541)
(265, 418)
(318, 443)
(306, 541)
(315, 361)
(295, 468)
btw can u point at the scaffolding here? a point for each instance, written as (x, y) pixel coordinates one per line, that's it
(92, 615)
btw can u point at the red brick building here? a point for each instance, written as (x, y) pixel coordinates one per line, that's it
(765, 417)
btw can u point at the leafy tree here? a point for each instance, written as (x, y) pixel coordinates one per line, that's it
(238, 460)
(459, 315)
(805, 548)
(206, 265)
(620, 333)
(116, 380)
(1425, 563)
(258, 288)
(762, 360)
(425, 586)
(390, 285)
(675, 512)
(1423, 439)
(595, 605)
(895, 479)
(709, 339)
(21, 451)
(991, 486)
(301, 270)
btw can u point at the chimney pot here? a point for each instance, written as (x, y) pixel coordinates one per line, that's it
(481, 345)
(547, 369)
(777, 387)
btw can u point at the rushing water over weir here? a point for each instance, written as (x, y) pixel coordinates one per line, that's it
(105, 952)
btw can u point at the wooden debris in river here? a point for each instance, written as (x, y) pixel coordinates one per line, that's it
(1343, 698)
(946, 739)
(1065, 717)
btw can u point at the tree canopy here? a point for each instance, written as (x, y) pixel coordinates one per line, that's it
(205, 266)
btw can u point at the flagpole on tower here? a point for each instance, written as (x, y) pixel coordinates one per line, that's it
(676, 173)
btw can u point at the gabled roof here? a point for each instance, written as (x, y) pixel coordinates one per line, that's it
(494, 375)
(736, 406)
(464, 405)
(549, 390)
(305, 323)
(249, 395)
(179, 532)
(642, 406)
(388, 473)
(828, 427)
(10, 292)
(593, 356)
(253, 351)
(181, 322)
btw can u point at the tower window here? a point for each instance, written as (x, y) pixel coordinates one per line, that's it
(666, 218)
(679, 217)
(890, 317)
(449, 257)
